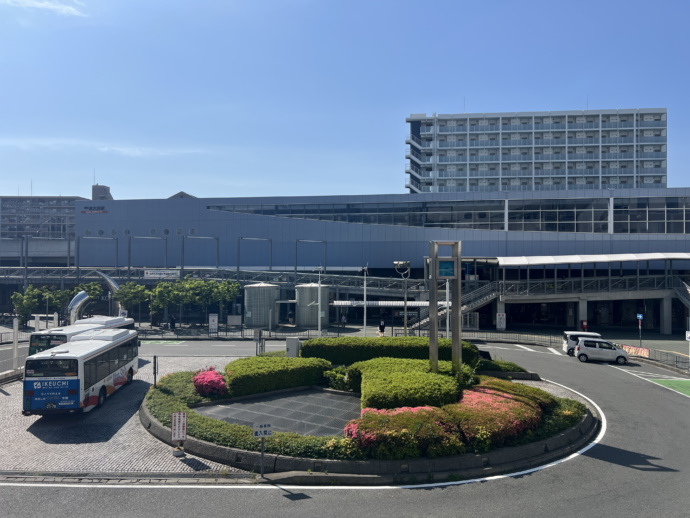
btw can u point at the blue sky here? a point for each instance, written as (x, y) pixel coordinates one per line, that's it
(304, 97)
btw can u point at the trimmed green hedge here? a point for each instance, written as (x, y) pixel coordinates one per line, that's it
(409, 389)
(352, 349)
(499, 366)
(265, 373)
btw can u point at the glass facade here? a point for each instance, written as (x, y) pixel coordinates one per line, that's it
(643, 215)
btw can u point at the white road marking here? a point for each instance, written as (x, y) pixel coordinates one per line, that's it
(223, 345)
(524, 347)
(652, 381)
(596, 441)
(555, 351)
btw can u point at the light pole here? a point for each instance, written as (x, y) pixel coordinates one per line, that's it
(403, 268)
(319, 302)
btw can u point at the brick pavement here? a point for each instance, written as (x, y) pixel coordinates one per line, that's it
(109, 440)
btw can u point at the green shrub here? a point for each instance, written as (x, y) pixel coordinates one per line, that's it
(404, 433)
(499, 366)
(337, 378)
(521, 391)
(264, 374)
(408, 389)
(383, 366)
(350, 349)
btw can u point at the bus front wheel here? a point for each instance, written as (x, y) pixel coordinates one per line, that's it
(101, 397)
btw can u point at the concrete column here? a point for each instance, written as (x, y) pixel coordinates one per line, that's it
(581, 312)
(665, 317)
(500, 307)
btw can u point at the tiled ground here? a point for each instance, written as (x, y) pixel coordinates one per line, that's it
(307, 412)
(106, 440)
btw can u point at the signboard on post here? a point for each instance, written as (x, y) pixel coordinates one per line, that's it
(501, 321)
(179, 426)
(262, 430)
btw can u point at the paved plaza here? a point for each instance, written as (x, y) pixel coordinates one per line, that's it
(109, 440)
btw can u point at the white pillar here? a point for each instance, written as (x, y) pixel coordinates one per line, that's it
(666, 316)
(581, 312)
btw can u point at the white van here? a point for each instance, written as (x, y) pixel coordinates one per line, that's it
(570, 339)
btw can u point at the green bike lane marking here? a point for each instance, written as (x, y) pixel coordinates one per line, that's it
(678, 385)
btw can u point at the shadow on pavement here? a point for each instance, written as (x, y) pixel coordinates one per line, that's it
(627, 458)
(98, 425)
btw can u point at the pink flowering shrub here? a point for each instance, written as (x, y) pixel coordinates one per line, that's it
(402, 433)
(486, 418)
(209, 383)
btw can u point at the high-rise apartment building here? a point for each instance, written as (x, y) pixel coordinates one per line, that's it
(537, 151)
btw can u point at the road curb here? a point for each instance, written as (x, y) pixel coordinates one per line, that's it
(280, 469)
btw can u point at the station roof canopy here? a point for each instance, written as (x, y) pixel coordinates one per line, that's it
(539, 260)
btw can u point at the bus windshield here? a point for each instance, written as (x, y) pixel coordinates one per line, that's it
(38, 343)
(50, 368)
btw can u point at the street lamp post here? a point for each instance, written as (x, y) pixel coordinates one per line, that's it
(403, 268)
(319, 303)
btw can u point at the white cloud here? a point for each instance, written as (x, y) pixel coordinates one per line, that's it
(62, 8)
(61, 144)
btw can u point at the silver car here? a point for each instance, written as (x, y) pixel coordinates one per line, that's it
(600, 350)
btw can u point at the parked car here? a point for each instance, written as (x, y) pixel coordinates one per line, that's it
(601, 350)
(570, 339)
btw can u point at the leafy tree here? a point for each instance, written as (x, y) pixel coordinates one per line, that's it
(131, 295)
(226, 291)
(93, 289)
(25, 303)
(200, 293)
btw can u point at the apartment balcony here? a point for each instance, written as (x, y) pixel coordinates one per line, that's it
(484, 143)
(509, 173)
(416, 171)
(549, 142)
(413, 138)
(553, 187)
(661, 185)
(485, 127)
(583, 156)
(451, 144)
(656, 154)
(549, 158)
(516, 127)
(583, 186)
(426, 130)
(452, 129)
(485, 158)
(615, 125)
(459, 159)
(516, 187)
(651, 140)
(617, 140)
(651, 170)
(582, 141)
(617, 156)
(483, 188)
(412, 168)
(451, 174)
(651, 124)
(485, 174)
(583, 125)
(452, 188)
(549, 172)
(617, 172)
(583, 172)
(516, 158)
(517, 143)
(558, 126)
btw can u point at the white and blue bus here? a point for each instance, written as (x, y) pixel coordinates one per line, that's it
(48, 338)
(79, 375)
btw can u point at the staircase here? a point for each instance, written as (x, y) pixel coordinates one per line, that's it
(470, 301)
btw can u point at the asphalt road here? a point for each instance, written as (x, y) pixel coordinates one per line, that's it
(639, 468)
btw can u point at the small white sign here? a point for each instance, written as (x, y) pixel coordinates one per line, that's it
(213, 322)
(179, 426)
(161, 274)
(262, 430)
(501, 321)
(687, 335)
